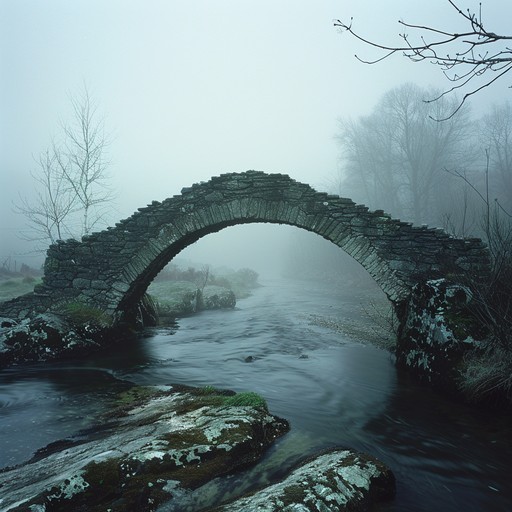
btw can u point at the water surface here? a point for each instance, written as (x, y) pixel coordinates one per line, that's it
(335, 389)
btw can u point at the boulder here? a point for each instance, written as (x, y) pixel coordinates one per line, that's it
(340, 480)
(155, 445)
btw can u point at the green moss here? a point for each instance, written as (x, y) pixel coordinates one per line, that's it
(293, 494)
(81, 313)
(247, 399)
(207, 390)
(131, 398)
(463, 324)
(104, 475)
(113, 484)
(185, 438)
(137, 394)
(208, 396)
(198, 402)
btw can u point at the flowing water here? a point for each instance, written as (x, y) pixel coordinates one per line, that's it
(334, 390)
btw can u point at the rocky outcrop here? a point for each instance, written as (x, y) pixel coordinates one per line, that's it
(154, 445)
(341, 480)
(47, 337)
(436, 332)
(68, 329)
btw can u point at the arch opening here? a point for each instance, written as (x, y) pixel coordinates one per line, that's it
(286, 242)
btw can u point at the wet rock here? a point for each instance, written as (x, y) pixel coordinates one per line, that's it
(155, 444)
(46, 337)
(436, 332)
(341, 480)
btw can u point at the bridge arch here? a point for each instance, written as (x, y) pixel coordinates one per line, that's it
(112, 269)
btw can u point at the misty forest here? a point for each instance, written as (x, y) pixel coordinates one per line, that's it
(255, 258)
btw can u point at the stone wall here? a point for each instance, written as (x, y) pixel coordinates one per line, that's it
(111, 269)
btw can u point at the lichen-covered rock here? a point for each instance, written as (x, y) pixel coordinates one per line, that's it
(47, 337)
(336, 481)
(155, 444)
(436, 331)
(184, 298)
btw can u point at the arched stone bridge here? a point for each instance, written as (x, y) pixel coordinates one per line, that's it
(112, 269)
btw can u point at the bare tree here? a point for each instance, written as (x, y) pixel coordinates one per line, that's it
(370, 162)
(71, 179)
(496, 135)
(471, 60)
(82, 161)
(202, 277)
(492, 300)
(397, 154)
(48, 212)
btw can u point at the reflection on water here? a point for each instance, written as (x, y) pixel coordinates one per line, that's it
(333, 390)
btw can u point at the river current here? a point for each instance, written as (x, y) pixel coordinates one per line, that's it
(335, 389)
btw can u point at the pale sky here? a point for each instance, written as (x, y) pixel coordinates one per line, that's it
(193, 88)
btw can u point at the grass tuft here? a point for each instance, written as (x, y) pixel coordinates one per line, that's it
(486, 374)
(81, 313)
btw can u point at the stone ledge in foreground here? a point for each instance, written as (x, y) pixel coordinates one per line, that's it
(154, 445)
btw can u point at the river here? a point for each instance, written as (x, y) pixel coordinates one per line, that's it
(335, 389)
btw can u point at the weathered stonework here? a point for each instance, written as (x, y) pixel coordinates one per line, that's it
(111, 270)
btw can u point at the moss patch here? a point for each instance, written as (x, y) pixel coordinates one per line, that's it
(81, 313)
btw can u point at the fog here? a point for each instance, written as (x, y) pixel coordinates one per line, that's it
(192, 89)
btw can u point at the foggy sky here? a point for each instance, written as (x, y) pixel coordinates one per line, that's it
(194, 88)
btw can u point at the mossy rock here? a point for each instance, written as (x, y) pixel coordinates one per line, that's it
(153, 437)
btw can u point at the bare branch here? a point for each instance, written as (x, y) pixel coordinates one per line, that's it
(476, 52)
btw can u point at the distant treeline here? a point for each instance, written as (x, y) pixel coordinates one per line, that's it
(449, 173)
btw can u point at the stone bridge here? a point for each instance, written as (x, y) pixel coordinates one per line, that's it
(112, 269)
